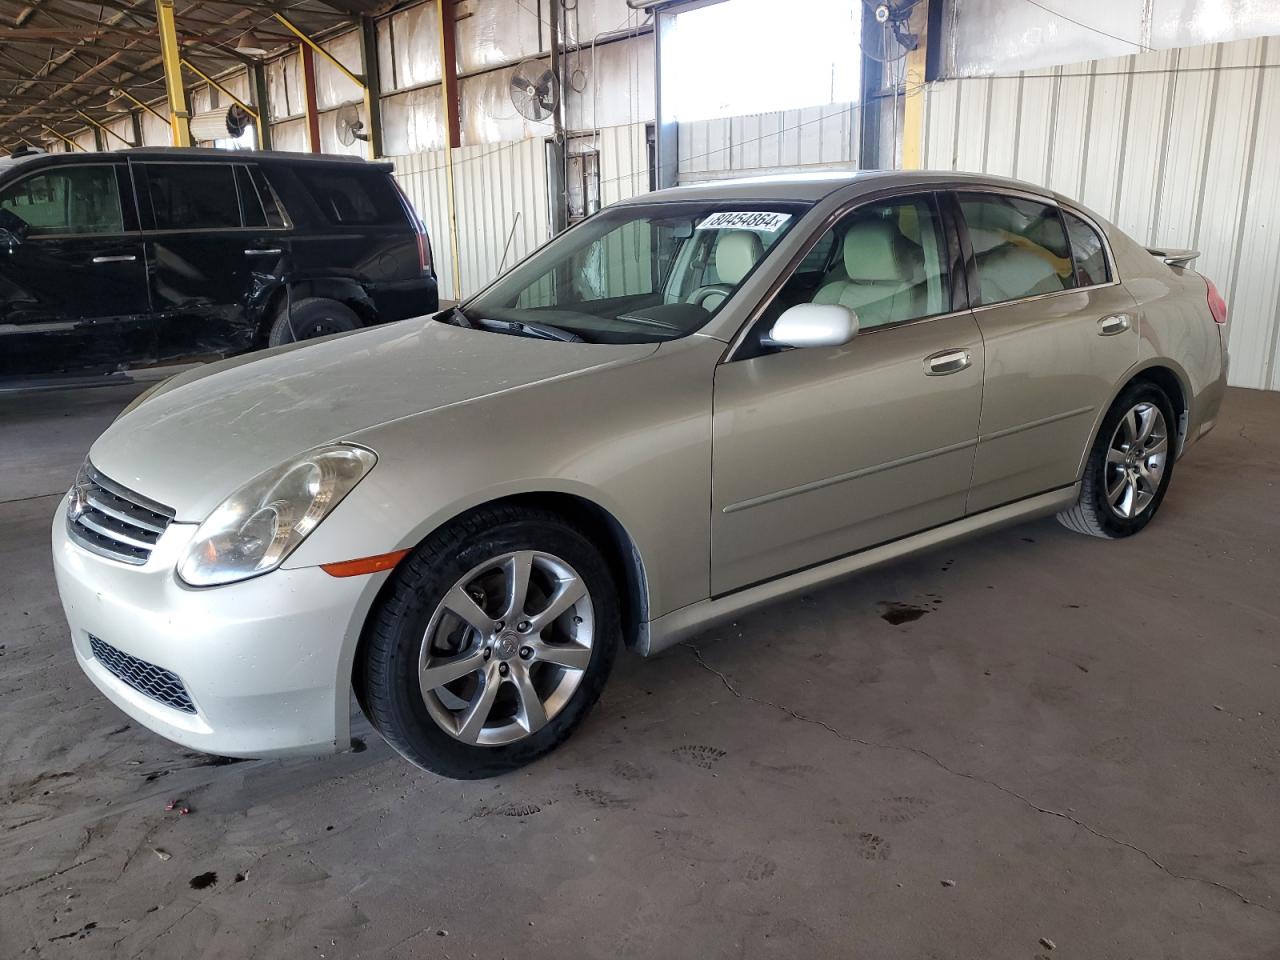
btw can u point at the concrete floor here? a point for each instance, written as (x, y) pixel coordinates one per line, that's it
(1077, 742)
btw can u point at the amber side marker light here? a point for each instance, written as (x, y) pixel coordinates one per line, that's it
(356, 568)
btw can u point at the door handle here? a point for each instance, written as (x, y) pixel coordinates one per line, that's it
(1113, 324)
(125, 258)
(271, 252)
(948, 361)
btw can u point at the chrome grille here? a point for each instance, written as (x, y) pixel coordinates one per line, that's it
(112, 521)
(155, 682)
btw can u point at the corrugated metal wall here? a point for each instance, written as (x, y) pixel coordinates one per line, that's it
(824, 137)
(1176, 147)
(501, 201)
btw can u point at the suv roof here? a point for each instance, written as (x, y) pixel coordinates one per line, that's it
(197, 153)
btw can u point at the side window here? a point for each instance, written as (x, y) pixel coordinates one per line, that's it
(350, 198)
(251, 208)
(270, 202)
(67, 201)
(1020, 247)
(1088, 251)
(886, 261)
(193, 196)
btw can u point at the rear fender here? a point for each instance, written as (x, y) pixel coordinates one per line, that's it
(1183, 402)
(269, 296)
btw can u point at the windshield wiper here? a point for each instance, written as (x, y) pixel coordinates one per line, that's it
(544, 331)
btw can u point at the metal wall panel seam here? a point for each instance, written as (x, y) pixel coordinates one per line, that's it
(1248, 170)
(1114, 213)
(1215, 76)
(1165, 134)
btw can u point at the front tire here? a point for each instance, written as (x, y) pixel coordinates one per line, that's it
(492, 643)
(1129, 467)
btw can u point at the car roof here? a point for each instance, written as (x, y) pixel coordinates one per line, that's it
(812, 187)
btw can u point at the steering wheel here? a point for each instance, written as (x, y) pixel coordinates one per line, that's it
(703, 293)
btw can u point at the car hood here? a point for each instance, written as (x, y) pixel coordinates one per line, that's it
(207, 432)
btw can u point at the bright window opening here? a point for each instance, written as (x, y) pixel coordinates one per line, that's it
(755, 56)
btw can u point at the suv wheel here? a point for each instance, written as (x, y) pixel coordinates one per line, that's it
(1129, 467)
(309, 318)
(492, 643)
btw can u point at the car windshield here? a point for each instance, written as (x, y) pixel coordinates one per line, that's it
(633, 273)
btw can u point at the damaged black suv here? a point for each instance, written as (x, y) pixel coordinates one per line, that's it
(153, 257)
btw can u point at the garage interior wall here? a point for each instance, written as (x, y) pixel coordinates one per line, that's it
(1176, 147)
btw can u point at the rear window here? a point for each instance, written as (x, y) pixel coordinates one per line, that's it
(349, 198)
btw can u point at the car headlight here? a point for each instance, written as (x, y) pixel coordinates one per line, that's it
(258, 526)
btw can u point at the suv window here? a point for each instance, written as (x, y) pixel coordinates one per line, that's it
(1087, 250)
(67, 200)
(889, 265)
(250, 204)
(1020, 247)
(349, 198)
(193, 196)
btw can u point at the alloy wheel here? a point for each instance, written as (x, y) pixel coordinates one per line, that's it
(1136, 460)
(506, 648)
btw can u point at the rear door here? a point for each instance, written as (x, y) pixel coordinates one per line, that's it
(214, 251)
(1060, 333)
(73, 294)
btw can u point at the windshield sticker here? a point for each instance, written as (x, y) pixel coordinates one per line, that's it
(750, 220)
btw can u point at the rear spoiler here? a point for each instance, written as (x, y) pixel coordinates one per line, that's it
(1174, 257)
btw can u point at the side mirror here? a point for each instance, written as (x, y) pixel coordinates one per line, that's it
(814, 325)
(13, 229)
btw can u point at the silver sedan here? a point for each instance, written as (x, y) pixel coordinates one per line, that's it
(694, 402)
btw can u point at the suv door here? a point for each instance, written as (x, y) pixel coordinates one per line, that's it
(73, 294)
(215, 248)
(825, 451)
(1060, 333)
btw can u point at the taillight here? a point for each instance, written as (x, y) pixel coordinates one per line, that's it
(1217, 306)
(424, 249)
(419, 231)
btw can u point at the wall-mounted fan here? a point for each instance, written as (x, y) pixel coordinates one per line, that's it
(350, 126)
(535, 91)
(889, 40)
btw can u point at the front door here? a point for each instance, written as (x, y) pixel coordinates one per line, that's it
(73, 293)
(1060, 333)
(210, 254)
(821, 452)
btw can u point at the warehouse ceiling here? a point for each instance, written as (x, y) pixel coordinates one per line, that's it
(60, 59)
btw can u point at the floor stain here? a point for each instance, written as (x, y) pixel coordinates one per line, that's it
(896, 613)
(204, 880)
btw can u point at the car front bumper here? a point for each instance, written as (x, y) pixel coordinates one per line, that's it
(266, 663)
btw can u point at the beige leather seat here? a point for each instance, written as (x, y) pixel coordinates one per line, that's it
(736, 253)
(1014, 258)
(880, 276)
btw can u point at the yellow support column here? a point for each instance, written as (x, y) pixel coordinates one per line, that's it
(913, 101)
(178, 114)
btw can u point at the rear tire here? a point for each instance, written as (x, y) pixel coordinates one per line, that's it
(491, 644)
(1129, 467)
(309, 318)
